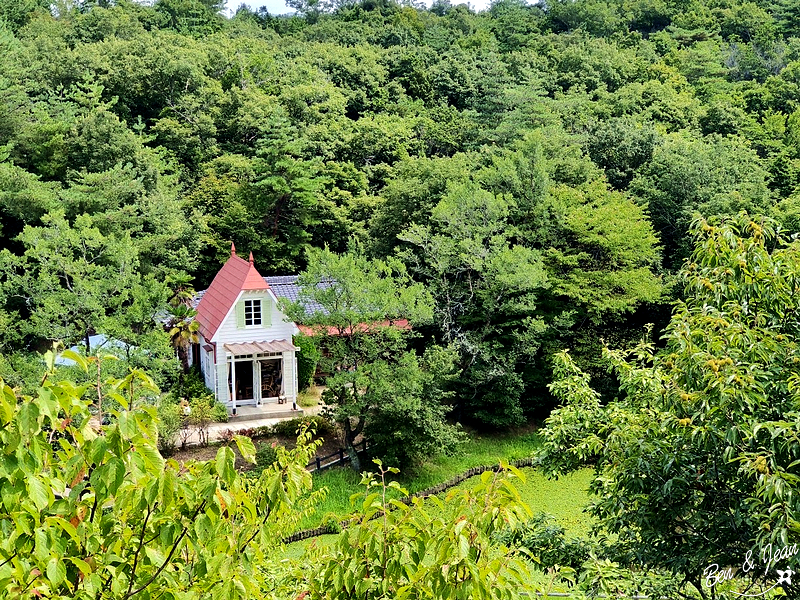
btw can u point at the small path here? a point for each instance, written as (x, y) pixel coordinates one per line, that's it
(215, 429)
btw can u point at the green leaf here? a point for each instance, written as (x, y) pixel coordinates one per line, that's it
(246, 448)
(28, 418)
(77, 358)
(39, 493)
(225, 465)
(56, 571)
(8, 402)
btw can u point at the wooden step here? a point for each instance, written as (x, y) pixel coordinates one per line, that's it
(269, 411)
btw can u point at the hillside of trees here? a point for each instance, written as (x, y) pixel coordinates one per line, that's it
(588, 210)
(536, 167)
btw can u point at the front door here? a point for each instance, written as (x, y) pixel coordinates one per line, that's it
(271, 378)
(244, 380)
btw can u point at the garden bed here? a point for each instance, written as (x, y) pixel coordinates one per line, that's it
(330, 444)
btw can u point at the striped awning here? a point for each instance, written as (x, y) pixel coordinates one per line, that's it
(260, 347)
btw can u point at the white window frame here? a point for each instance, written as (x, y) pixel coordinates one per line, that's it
(253, 308)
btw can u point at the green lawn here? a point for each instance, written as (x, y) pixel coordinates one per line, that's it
(564, 498)
(477, 451)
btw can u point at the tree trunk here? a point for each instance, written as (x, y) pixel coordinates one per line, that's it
(349, 441)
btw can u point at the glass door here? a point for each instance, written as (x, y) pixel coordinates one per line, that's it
(271, 378)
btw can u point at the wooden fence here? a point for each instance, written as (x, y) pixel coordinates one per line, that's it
(340, 457)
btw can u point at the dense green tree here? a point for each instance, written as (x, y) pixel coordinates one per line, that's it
(486, 288)
(697, 464)
(105, 516)
(363, 330)
(70, 278)
(169, 124)
(712, 177)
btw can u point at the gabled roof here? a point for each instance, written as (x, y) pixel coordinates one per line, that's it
(235, 276)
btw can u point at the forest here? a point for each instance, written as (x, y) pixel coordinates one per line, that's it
(538, 187)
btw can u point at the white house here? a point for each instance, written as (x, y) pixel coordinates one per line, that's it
(246, 354)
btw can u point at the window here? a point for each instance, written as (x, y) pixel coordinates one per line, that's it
(252, 313)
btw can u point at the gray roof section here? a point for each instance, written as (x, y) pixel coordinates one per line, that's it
(197, 297)
(283, 286)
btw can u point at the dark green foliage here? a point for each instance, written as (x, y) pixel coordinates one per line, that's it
(307, 359)
(191, 387)
(289, 428)
(266, 455)
(548, 544)
(409, 403)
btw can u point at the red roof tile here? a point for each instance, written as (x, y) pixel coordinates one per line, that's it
(235, 275)
(361, 327)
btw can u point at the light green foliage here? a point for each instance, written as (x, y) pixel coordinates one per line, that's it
(418, 551)
(201, 416)
(70, 277)
(366, 353)
(169, 424)
(474, 451)
(706, 434)
(100, 514)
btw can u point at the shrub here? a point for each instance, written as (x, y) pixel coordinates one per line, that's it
(200, 418)
(289, 428)
(307, 360)
(333, 523)
(169, 423)
(192, 387)
(253, 433)
(219, 412)
(266, 454)
(226, 436)
(548, 544)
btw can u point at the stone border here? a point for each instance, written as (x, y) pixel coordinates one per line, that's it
(431, 491)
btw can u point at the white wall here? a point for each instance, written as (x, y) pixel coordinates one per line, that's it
(281, 328)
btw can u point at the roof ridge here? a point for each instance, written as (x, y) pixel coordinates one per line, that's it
(235, 276)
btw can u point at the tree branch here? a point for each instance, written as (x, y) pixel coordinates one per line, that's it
(169, 556)
(139, 548)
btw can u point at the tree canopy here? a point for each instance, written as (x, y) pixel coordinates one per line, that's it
(698, 463)
(535, 166)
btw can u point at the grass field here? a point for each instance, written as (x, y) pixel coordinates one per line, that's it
(477, 451)
(564, 499)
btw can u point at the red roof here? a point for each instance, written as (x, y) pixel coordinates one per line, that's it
(235, 276)
(361, 327)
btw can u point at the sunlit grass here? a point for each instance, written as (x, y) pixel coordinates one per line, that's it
(564, 498)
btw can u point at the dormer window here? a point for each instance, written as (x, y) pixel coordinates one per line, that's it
(252, 313)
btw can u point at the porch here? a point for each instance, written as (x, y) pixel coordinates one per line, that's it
(261, 374)
(278, 412)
